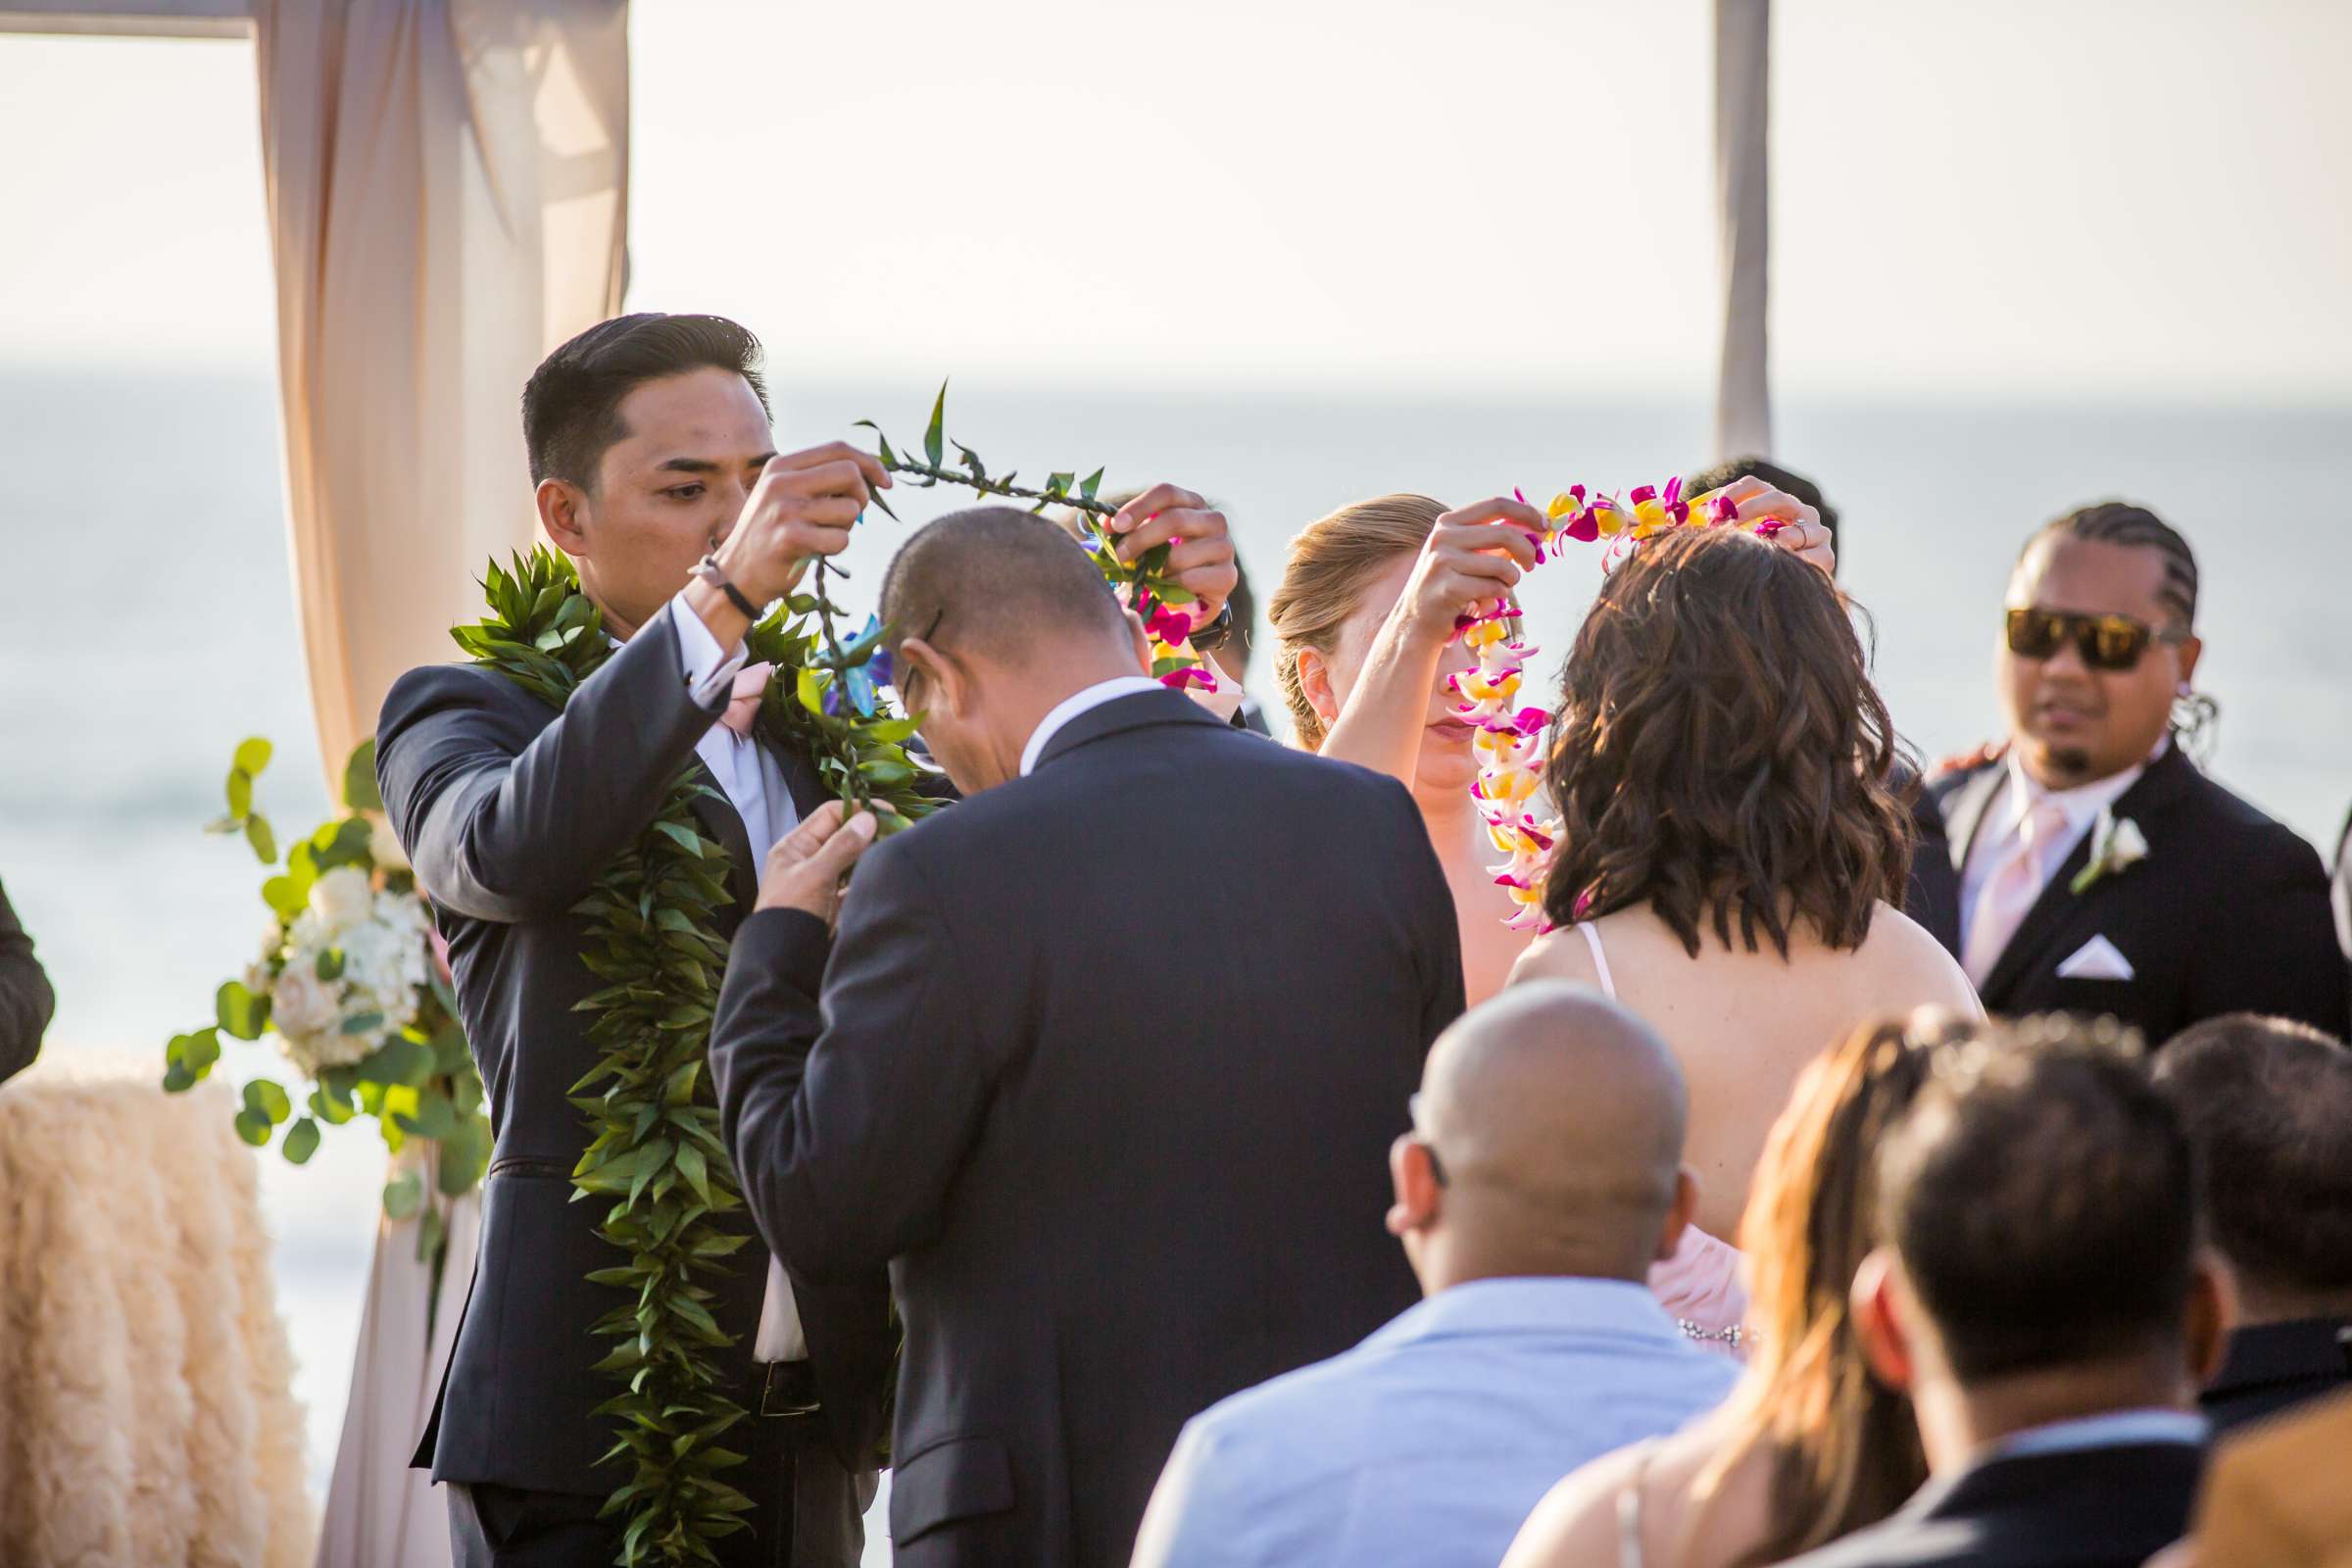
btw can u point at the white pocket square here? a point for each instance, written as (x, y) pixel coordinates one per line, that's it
(2096, 959)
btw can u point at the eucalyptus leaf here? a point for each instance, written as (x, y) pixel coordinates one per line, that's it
(430, 1234)
(404, 1196)
(302, 1141)
(253, 756)
(252, 1127)
(263, 842)
(240, 794)
(267, 1097)
(359, 779)
(239, 1012)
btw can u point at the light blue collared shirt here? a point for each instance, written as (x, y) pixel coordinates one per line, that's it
(1431, 1442)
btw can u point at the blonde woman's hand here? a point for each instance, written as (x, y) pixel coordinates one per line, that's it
(1474, 558)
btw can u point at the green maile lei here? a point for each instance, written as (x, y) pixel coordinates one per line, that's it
(655, 1155)
(656, 1159)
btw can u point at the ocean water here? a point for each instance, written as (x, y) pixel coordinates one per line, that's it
(149, 627)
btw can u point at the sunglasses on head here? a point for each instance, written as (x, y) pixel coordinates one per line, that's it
(2105, 642)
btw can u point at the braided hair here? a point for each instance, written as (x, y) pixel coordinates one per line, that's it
(2197, 717)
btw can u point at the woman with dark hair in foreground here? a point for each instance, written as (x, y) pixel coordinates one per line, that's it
(1730, 860)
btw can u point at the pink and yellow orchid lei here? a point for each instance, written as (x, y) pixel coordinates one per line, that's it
(1509, 739)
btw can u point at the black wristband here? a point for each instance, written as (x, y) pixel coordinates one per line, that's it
(709, 571)
(1211, 635)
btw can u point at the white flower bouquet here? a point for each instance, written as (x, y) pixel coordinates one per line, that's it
(352, 981)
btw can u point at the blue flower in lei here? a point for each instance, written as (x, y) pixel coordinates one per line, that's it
(860, 680)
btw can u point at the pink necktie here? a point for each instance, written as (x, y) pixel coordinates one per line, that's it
(743, 699)
(2012, 890)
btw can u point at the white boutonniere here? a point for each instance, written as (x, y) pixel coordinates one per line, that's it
(2116, 845)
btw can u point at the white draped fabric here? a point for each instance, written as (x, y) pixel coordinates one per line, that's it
(378, 1510)
(447, 188)
(447, 185)
(1742, 79)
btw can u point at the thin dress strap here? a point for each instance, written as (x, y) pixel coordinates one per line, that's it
(1601, 961)
(1629, 1500)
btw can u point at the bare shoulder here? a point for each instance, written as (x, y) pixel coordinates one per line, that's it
(1559, 955)
(1576, 1523)
(1908, 968)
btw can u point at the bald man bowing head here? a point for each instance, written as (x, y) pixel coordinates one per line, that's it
(1542, 1178)
(1069, 1116)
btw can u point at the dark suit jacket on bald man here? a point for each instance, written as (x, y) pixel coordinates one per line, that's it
(1126, 1155)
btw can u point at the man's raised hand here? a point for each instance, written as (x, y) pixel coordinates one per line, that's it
(1199, 547)
(805, 868)
(801, 508)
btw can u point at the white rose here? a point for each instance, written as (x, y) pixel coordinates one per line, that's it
(341, 898)
(302, 1050)
(2129, 846)
(384, 845)
(301, 1003)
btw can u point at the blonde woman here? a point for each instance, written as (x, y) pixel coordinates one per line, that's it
(1364, 628)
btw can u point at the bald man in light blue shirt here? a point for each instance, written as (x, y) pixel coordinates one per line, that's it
(1543, 1177)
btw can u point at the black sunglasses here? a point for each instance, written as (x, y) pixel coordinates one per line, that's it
(2105, 642)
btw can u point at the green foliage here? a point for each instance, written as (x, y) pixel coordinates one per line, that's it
(418, 1083)
(1143, 582)
(655, 1162)
(359, 779)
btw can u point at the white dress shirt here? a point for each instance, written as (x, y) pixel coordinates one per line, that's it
(2005, 819)
(1070, 707)
(755, 786)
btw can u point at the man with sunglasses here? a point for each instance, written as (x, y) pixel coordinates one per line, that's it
(2100, 871)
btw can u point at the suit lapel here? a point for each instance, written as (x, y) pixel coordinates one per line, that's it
(2060, 909)
(1963, 812)
(721, 821)
(800, 779)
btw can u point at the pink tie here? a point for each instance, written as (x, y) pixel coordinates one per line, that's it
(743, 699)
(2012, 890)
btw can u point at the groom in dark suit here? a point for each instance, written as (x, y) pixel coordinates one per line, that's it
(651, 446)
(2096, 869)
(1122, 1154)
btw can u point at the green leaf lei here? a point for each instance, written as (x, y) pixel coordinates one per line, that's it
(1142, 583)
(656, 1155)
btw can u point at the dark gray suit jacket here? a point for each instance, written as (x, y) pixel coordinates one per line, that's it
(1107, 1062)
(2228, 914)
(510, 812)
(25, 1000)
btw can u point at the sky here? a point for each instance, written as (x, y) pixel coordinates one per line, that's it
(2018, 199)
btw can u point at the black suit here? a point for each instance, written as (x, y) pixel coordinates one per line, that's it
(2086, 1508)
(510, 812)
(1107, 1061)
(2272, 1366)
(2228, 912)
(25, 1000)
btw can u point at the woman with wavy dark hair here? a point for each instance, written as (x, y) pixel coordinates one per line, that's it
(1731, 856)
(1809, 1446)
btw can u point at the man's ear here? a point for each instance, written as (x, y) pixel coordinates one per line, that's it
(2212, 1312)
(1877, 1313)
(1141, 641)
(1679, 1212)
(2190, 649)
(1314, 685)
(1414, 1182)
(944, 686)
(563, 515)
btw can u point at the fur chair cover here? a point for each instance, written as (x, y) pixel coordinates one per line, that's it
(146, 1406)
